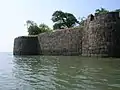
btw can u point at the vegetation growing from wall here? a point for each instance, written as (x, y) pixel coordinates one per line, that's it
(117, 10)
(61, 20)
(101, 11)
(34, 29)
(104, 11)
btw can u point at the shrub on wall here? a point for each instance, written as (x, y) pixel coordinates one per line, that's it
(101, 11)
(34, 29)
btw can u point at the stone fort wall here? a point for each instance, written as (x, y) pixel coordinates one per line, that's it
(100, 36)
(61, 42)
(25, 45)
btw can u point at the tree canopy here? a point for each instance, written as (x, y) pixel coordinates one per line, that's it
(44, 28)
(101, 11)
(34, 29)
(117, 10)
(63, 20)
(104, 11)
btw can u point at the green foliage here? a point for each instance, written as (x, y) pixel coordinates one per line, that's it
(81, 22)
(44, 28)
(117, 10)
(101, 11)
(34, 29)
(63, 20)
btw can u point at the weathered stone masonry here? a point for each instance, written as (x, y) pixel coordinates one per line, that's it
(25, 45)
(99, 37)
(61, 42)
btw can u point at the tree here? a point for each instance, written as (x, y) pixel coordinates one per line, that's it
(34, 29)
(44, 28)
(29, 23)
(101, 11)
(117, 10)
(63, 20)
(82, 20)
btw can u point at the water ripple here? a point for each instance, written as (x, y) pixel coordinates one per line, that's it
(59, 73)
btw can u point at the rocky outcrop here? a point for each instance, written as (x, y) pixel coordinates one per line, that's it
(26, 45)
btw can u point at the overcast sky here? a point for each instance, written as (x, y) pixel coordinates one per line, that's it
(14, 13)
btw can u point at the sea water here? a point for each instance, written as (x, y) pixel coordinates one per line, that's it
(58, 73)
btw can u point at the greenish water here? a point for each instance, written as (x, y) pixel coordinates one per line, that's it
(58, 73)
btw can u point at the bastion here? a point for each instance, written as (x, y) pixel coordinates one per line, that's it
(100, 36)
(26, 45)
